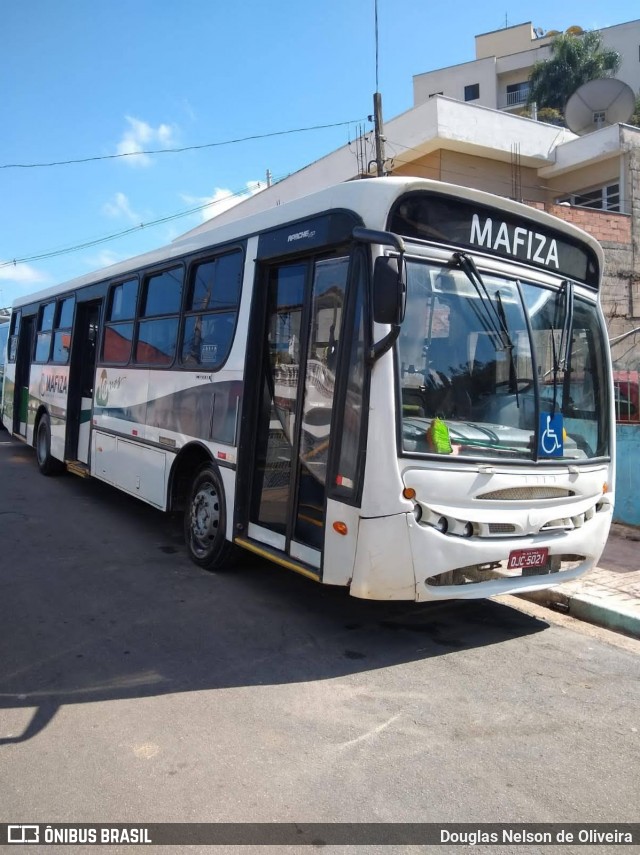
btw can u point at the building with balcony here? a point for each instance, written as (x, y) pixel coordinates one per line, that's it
(591, 180)
(498, 76)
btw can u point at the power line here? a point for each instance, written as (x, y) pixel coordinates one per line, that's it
(94, 242)
(174, 150)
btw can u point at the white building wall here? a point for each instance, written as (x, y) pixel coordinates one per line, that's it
(451, 82)
(440, 124)
(625, 38)
(507, 56)
(508, 40)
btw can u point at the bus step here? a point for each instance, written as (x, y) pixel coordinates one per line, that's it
(278, 557)
(76, 467)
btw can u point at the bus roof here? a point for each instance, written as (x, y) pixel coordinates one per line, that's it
(370, 198)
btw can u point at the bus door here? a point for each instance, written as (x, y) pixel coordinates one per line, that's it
(304, 308)
(23, 373)
(82, 372)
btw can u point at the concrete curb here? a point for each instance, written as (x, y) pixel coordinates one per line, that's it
(610, 612)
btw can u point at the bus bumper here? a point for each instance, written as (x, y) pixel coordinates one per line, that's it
(448, 567)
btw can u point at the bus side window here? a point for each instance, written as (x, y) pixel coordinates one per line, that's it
(43, 340)
(118, 332)
(211, 310)
(62, 334)
(158, 325)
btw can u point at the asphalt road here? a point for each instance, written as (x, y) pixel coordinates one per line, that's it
(135, 687)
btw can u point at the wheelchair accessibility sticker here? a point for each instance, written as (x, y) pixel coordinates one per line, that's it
(550, 436)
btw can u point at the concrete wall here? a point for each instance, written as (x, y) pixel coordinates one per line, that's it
(581, 180)
(627, 508)
(454, 167)
(614, 231)
(625, 38)
(508, 40)
(451, 81)
(515, 49)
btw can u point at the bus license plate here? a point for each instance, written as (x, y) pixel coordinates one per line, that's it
(520, 558)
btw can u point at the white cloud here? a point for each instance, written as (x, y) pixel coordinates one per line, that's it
(141, 136)
(222, 199)
(105, 258)
(119, 207)
(24, 274)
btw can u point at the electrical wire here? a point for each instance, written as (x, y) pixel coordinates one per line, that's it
(94, 242)
(175, 150)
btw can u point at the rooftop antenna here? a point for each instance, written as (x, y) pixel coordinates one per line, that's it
(377, 111)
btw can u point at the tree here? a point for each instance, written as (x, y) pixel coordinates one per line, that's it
(574, 60)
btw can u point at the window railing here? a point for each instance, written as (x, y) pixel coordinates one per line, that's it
(518, 97)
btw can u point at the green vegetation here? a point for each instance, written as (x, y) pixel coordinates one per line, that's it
(575, 59)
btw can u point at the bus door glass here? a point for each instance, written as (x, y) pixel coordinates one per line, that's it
(23, 372)
(82, 380)
(304, 319)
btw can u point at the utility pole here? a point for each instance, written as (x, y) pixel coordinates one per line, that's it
(377, 118)
(268, 178)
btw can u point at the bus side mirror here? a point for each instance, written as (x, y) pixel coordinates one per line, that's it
(389, 289)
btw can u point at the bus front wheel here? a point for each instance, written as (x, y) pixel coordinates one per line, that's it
(205, 522)
(47, 464)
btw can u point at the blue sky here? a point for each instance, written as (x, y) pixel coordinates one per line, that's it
(92, 78)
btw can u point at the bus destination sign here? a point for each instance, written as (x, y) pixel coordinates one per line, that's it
(428, 216)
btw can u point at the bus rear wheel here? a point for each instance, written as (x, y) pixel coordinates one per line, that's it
(47, 464)
(205, 522)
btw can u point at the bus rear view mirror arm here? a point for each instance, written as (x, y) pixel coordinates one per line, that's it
(389, 287)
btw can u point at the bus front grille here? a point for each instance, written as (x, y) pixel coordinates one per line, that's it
(521, 494)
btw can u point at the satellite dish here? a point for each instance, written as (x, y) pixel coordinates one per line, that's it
(598, 104)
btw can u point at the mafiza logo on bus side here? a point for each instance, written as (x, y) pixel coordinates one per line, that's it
(106, 385)
(517, 241)
(53, 383)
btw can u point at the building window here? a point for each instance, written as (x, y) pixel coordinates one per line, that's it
(605, 198)
(472, 92)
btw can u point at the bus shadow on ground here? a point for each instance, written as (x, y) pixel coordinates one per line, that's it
(98, 601)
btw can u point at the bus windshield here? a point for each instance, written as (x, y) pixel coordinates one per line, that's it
(482, 364)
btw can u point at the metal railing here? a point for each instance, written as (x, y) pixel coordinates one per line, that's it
(514, 99)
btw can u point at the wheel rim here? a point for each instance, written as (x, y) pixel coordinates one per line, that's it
(205, 518)
(41, 446)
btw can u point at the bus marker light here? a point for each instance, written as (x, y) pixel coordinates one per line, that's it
(340, 527)
(605, 487)
(409, 493)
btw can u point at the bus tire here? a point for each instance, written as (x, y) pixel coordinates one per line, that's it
(205, 521)
(47, 464)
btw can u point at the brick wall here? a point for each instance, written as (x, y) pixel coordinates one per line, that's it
(621, 277)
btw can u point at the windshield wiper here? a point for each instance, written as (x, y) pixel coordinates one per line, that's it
(497, 317)
(562, 354)
(508, 344)
(492, 316)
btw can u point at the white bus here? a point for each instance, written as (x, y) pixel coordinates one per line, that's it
(398, 386)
